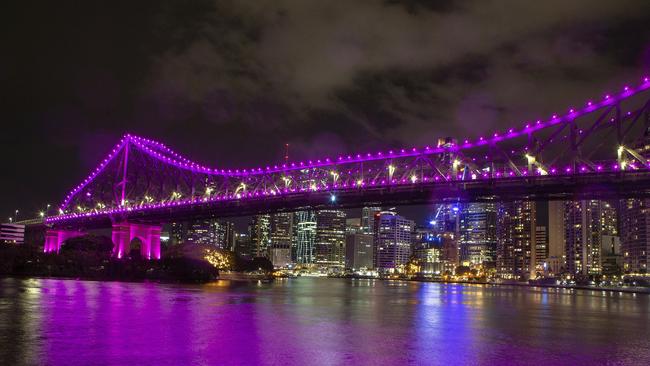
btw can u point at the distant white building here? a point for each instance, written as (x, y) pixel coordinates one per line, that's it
(12, 233)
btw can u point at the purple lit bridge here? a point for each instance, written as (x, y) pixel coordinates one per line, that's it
(595, 151)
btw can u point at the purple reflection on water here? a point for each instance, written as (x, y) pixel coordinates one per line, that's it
(309, 321)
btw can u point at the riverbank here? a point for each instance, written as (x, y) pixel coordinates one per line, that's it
(641, 290)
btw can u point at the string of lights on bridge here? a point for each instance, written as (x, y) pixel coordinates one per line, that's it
(165, 154)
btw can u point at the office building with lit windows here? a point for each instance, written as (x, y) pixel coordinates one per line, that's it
(586, 222)
(259, 232)
(392, 241)
(477, 229)
(281, 238)
(516, 240)
(330, 238)
(635, 235)
(305, 237)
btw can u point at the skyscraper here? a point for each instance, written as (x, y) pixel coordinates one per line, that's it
(243, 246)
(446, 218)
(392, 241)
(635, 235)
(305, 237)
(368, 219)
(281, 236)
(541, 246)
(330, 238)
(260, 235)
(586, 222)
(427, 247)
(359, 251)
(177, 232)
(200, 232)
(516, 234)
(556, 259)
(477, 226)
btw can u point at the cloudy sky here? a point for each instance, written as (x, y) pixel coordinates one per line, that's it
(228, 83)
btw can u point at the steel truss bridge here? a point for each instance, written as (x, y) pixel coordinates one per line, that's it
(599, 150)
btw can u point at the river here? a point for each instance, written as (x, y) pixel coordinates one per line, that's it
(317, 321)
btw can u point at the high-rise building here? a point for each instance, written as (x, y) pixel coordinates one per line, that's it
(353, 225)
(516, 235)
(586, 222)
(612, 259)
(449, 252)
(477, 225)
(392, 241)
(259, 231)
(556, 259)
(368, 219)
(446, 218)
(177, 232)
(243, 246)
(635, 235)
(305, 237)
(217, 233)
(224, 234)
(281, 237)
(635, 221)
(200, 232)
(541, 247)
(359, 251)
(330, 238)
(427, 247)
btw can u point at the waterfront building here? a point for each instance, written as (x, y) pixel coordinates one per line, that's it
(305, 237)
(556, 258)
(635, 235)
(216, 233)
(177, 232)
(359, 251)
(541, 247)
(200, 232)
(450, 257)
(516, 240)
(392, 241)
(259, 231)
(427, 248)
(243, 245)
(612, 258)
(330, 238)
(281, 238)
(477, 229)
(586, 222)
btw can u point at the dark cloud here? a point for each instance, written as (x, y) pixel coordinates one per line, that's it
(228, 83)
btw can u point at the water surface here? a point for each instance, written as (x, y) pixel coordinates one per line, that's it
(311, 321)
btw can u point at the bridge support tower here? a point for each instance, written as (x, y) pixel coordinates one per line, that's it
(124, 233)
(54, 238)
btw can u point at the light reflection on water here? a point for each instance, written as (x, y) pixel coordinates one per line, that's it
(311, 321)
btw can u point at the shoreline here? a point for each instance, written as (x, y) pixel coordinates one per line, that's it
(243, 277)
(637, 290)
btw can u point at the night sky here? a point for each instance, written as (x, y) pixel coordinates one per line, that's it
(228, 83)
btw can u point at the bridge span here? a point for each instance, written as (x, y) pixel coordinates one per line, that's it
(596, 151)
